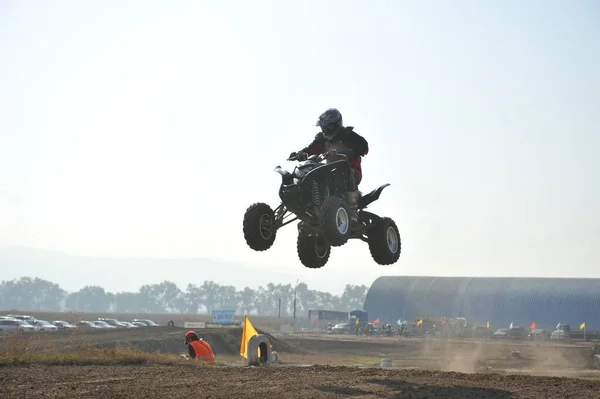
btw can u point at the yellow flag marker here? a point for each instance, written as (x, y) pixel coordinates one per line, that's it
(247, 333)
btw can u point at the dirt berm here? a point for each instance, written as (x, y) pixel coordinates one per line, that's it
(170, 340)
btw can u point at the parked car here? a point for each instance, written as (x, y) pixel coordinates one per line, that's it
(113, 322)
(517, 332)
(44, 326)
(539, 334)
(28, 319)
(64, 326)
(501, 333)
(145, 321)
(139, 324)
(559, 335)
(128, 324)
(8, 325)
(342, 328)
(102, 324)
(87, 325)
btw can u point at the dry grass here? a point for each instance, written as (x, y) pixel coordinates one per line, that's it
(90, 356)
(25, 349)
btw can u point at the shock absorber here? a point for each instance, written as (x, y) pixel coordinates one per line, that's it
(316, 195)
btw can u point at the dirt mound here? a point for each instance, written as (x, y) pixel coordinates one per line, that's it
(215, 381)
(223, 341)
(168, 340)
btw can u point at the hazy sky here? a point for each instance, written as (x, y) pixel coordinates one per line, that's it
(146, 128)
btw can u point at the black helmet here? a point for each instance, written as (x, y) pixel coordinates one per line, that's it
(330, 121)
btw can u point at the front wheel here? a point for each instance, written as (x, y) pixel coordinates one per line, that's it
(259, 226)
(313, 250)
(335, 221)
(384, 242)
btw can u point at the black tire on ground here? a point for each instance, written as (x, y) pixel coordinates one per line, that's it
(258, 226)
(384, 242)
(335, 221)
(255, 342)
(274, 357)
(313, 250)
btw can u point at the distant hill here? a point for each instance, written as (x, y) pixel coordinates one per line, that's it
(128, 274)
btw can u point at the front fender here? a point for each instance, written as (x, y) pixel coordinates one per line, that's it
(286, 177)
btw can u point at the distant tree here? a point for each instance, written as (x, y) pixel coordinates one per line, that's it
(29, 293)
(37, 294)
(354, 296)
(194, 298)
(246, 300)
(163, 297)
(91, 298)
(305, 299)
(226, 298)
(210, 294)
(127, 302)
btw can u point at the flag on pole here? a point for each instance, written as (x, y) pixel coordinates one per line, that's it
(582, 326)
(511, 325)
(419, 322)
(488, 324)
(399, 321)
(376, 321)
(532, 326)
(248, 332)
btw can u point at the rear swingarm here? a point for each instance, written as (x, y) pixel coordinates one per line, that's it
(367, 222)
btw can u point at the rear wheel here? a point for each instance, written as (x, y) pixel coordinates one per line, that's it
(313, 250)
(384, 242)
(335, 221)
(259, 226)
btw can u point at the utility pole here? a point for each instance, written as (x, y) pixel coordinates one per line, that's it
(280, 308)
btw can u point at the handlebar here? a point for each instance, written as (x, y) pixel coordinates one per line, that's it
(321, 156)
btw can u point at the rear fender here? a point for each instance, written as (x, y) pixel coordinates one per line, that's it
(373, 196)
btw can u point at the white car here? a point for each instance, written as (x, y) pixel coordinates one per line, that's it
(63, 325)
(15, 325)
(87, 325)
(28, 319)
(147, 322)
(102, 324)
(44, 326)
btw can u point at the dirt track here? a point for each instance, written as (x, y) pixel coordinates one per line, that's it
(293, 379)
(277, 382)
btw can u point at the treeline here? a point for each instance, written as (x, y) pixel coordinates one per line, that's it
(36, 294)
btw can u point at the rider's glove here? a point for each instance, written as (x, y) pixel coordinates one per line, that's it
(301, 156)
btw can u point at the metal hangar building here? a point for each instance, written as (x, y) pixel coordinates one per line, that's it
(501, 300)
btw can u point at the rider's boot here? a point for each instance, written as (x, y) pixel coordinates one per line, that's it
(352, 198)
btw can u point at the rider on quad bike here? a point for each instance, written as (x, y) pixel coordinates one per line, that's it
(344, 140)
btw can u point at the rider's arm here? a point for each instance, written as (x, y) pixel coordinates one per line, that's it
(317, 146)
(192, 352)
(360, 146)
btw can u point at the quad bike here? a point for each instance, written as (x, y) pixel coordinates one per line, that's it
(315, 194)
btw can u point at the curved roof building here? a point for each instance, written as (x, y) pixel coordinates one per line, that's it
(545, 301)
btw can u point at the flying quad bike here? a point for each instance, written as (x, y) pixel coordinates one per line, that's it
(315, 194)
